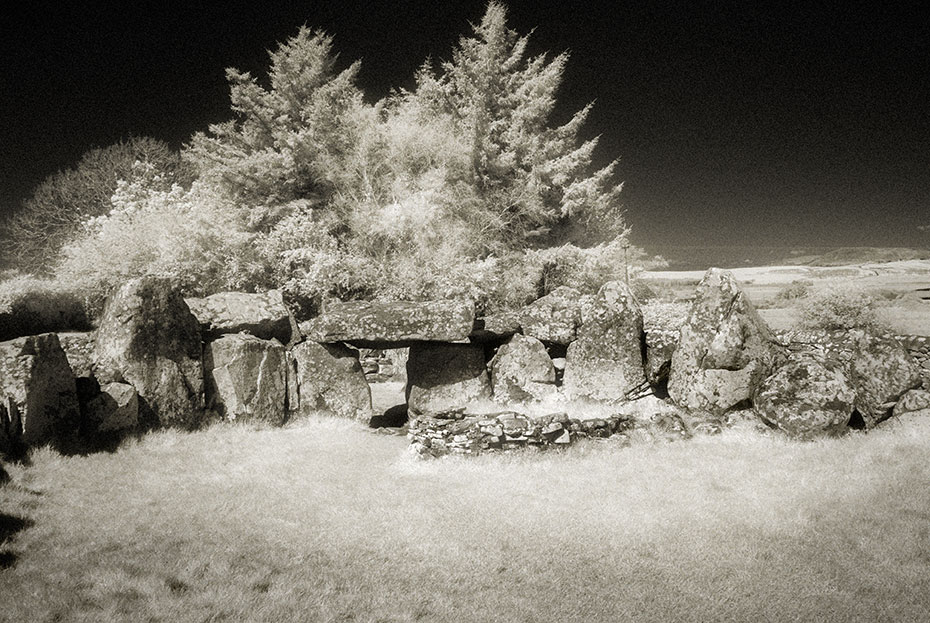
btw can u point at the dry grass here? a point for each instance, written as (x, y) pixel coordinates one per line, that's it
(326, 521)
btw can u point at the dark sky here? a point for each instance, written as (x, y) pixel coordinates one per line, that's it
(735, 123)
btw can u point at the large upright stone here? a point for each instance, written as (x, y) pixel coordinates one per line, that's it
(443, 377)
(263, 315)
(725, 348)
(522, 370)
(329, 377)
(246, 378)
(37, 390)
(553, 318)
(806, 397)
(149, 338)
(605, 363)
(391, 324)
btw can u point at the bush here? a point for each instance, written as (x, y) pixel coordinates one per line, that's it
(840, 307)
(30, 306)
(794, 291)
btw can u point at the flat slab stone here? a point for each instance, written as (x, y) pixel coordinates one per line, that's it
(263, 315)
(394, 324)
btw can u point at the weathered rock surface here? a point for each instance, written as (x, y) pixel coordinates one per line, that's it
(442, 377)
(246, 378)
(554, 318)
(521, 370)
(329, 377)
(605, 363)
(391, 324)
(725, 349)
(37, 390)
(881, 371)
(495, 327)
(807, 397)
(913, 400)
(660, 347)
(148, 337)
(114, 409)
(79, 348)
(263, 315)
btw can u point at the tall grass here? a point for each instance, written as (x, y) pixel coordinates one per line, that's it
(326, 521)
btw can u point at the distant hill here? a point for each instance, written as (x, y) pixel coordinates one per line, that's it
(858, 255)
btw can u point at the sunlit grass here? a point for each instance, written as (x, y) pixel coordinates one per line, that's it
(326, 521)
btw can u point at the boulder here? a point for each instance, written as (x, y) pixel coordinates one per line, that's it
(605, 363)
(881, 370)
(114, 409)
(246, 378)
(37, 390)
(495, 327)
(553, 318)
(913, 400)
(724, 349)
(263, 315)
(149, 338)
(521, 370)
(806, 397)
(79, 348)
(445, 377)
(329, 377)
(391, 324)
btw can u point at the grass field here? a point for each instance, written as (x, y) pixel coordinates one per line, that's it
(328, 521)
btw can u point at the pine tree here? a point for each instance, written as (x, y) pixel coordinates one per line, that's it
(534, 180)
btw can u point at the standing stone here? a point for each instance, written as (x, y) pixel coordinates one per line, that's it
(806, 397)
(391, 324)
(114, 409)
(246, 378)
(881, 370)
(263, 315)
(149, 338)
(444, 377)
(329, 377)
(553, 318)
(37, 389)
(605, 363)
(79, 348)
(725, 349)
(521, 370)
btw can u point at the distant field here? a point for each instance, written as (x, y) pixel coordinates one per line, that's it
(327, 521)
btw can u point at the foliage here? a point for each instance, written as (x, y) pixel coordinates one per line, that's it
(794, 291)
(29, 306)
(839, 307)
(55, 211)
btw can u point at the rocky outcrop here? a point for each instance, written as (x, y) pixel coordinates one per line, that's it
(807, 397)
(246, 378)
(328, 377)
(148, 337)
(114, 409)
(912, 401)
(554, 318)
(37, 390)
(393, 324)
(521, 371)
(263, 315)
(725, 349)
(881, 371)
(605, 363)
(441, 377)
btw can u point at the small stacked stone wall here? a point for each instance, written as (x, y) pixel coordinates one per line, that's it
(456, 433)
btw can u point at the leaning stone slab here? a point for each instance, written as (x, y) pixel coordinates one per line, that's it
(445, 377)
(79, 348)
(246, 378)
(521, 371)
(37, 390)
(149, 338)
(807, 397)
(554, 318)
(263, 315)
(605, 363)
(725, 349)
(328, 377)
(391, 324)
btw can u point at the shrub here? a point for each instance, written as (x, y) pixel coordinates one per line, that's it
(29, 306)
(794, 291)
(839, 307)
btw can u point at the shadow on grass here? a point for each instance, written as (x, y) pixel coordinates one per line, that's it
(9, 526)
(395, 417)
